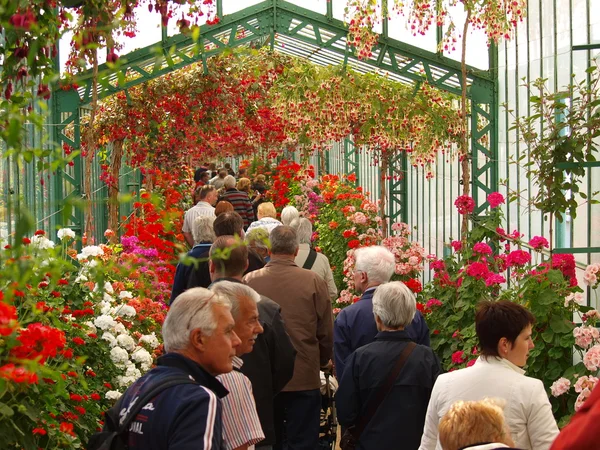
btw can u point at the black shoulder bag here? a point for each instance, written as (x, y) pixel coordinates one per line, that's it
(310, 260)
(351, 436)
(114, 436)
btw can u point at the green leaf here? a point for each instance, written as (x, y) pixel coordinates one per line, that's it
(6, 410)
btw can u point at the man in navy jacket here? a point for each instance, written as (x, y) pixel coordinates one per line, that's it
(355, 325)
(200, 341)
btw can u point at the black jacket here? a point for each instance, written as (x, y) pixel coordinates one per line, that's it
(401, 415)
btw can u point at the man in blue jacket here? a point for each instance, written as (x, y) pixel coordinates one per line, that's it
(355, 325)
(200, 343)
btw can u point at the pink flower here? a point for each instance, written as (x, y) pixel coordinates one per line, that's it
(437, 265)
(581, 399)
(456, 334)
(518, 258)
(538, 242)
(470, 363)
(591, 360)
(432, 302)
(494, 278)
(458, 357)
(359, 218)
(478, 270)
(456, 245)
(482, 248)
(495, 199)
(584, 383)
(585, 336)
(560, 386)
(464, 204)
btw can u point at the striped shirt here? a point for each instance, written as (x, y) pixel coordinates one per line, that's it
(201, 209)
(240, 420)
(241, 205)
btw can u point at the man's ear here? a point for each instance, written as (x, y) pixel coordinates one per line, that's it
(296, 252)
(211, 266)
(198, 340)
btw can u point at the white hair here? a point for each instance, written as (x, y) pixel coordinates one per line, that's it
(202, 229)
(234, 292)
(303, 229)
(377, 262)
(394, 304)
(191, 310)
(229, 182)
(288, 214)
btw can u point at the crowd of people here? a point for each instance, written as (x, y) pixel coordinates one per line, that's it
(250, 328)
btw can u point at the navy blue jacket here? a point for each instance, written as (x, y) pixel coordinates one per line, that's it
(355, 326)
(183, 417)
(400, 418)
(183, 271)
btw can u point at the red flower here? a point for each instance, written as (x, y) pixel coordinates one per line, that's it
(353, 243)
(92, 335)
(518, 258)
(333, 225)
(39, 340)
(40, 233)
(96, 396)
(66, 427)
(458, 357)
(76, 397)
(495, 199)
(107, 385)
(18, 374)
(478, 270)
(55, 294)
(67, 353)
(63, 282)
(39, 431)
(80, 409)
(8, 317)
(90, 373)
(464, 204)
(414, 285)
(351, 178)
(26, 241)
(72, 374)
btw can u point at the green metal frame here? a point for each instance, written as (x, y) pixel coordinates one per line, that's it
(300, 32)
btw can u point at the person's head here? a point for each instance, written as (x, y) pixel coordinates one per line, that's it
(222, 173)
(266, 209)
(504, 330)
(227, 166)
(258, 240)
(222, 207)
(394, 306)
(207, 193)
(205, 177)
(470, 423)
(303, 229)
(199, 325)
(228, 258)
(230, 224)
(243, 184)
(199, 173)
(374, 265)
(202, 229)
(259, 179)
(242, 172)
(284, 242)
(229, 182)
(288, 214)
(243, 309)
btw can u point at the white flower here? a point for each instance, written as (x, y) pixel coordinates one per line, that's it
(90, 250)
(109, 338)
(113, 395)
(105, 307)
(125, 294)
(133, 371)
(125, 381)
(119, 328)
(41, 242)
(104, 322)
(90, 325)
(119, 355)
(108, 298)
(66, 233)
(126, 311)
(126, 341)
(150, 339)
(90, 264)
(81, 278)
(142, 356)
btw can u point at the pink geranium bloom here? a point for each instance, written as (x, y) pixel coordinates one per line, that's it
(482, 248)
(495, 199)
(458, 357)
(518, 258)
(494, 278)
(456, 245)
(478, 270)
(539, 242)
(464, 204)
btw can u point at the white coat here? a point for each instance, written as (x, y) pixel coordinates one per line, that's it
(528, 411)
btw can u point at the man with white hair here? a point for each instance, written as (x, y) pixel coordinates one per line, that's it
(384, 391)
(219, 179)
(289, 214)
(241, 425)
(355, 325)
(308, 258)
(239, 199)
(201, 343)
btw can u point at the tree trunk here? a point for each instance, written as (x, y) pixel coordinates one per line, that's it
(113, 189)
(465, 153)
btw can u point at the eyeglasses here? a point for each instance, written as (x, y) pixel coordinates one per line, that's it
(202, 305)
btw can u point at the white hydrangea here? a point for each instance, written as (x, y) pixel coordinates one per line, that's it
(150, 339)
(113, 395)
(110, 338)
(105, 322)
(66, 233)
(125, 294)
(119, 328)
(90, 250)
(119, 355)
(41, 242)
(142, 356)
(126, 311)
(126, 341)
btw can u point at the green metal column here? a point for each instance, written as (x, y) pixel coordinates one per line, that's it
(351, 163)
(398, 188)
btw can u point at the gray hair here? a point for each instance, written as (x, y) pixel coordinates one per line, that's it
(258, 237)
(193, 308)
(234, 292)
(283, 240)
(394, 304)
(303, 229)
(377, 262)
(288, 214)
(229, 182)
(203, 229)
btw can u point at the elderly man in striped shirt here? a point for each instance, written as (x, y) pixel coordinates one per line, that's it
(241, 424)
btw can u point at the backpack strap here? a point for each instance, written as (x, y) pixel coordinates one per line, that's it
(310, 260)
(153, 391)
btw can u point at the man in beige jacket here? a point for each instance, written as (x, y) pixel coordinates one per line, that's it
(306, 310)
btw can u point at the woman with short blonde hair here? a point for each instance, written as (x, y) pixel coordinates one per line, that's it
(266, 217)
(243, 184)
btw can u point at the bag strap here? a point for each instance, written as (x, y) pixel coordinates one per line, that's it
(154, 390)
(386, 387)
(310, 260)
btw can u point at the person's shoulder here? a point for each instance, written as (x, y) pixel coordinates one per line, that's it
(268, 306)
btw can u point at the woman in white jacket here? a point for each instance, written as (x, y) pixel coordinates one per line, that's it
(504, 330)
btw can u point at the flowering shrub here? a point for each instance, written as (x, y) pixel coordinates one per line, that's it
(492, 264)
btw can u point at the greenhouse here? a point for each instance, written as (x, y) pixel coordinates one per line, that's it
(387, 206)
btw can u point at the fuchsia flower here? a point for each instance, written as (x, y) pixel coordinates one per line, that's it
(494, 278)
(433, 302)
(538, 242)
(456, 245)
(495, 199)
(438, 264)
(464, 204)
(518, 258)
(478, 270)
(458, 357)
(482, 248)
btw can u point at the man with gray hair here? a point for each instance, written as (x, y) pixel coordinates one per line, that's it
(355, 325)
(201, 343)
(239, 199)
(406, 373)
(306, 309)
(310, 259)
(289, 214)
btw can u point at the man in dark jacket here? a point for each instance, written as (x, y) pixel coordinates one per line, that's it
(355, 325)
(200, 343)
(400, 416)
(270, 365)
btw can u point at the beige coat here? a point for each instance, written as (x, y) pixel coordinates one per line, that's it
(306, 311)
